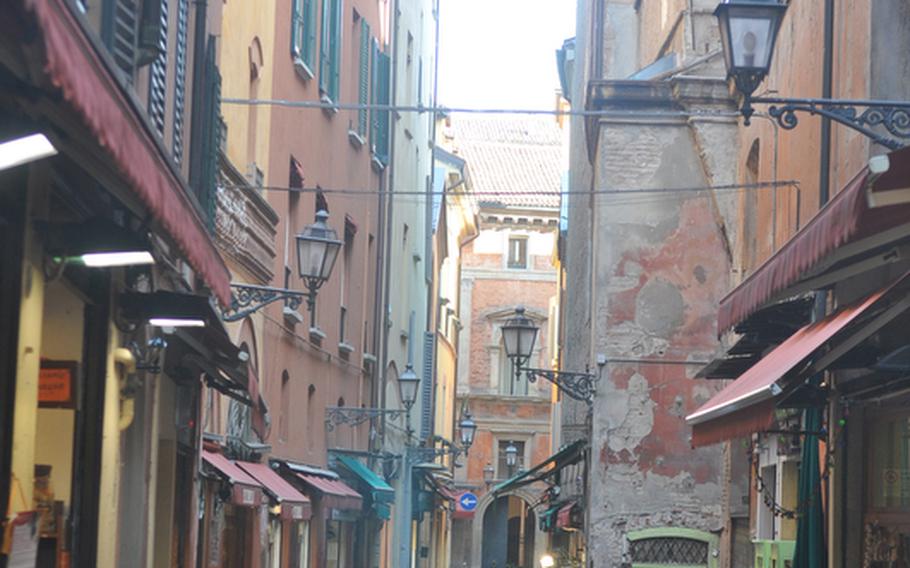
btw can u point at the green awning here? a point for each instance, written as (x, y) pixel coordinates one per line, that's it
(567, 456)
(381, 491)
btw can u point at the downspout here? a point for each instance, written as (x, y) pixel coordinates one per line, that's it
(824, 174)
(387, 250)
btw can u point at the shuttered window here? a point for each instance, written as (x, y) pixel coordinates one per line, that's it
(426, 386)
(119, 31)
(303, 31)
(379, 129)
(158, 73)
(363, 92)
(330, 48)
(211, 140)
(180, 78)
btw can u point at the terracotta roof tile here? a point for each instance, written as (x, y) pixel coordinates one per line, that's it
(520, 159)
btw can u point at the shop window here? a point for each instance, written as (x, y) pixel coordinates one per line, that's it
(890, 465)
(335, 553)
(518, 253)
(503, 471)
(299, 547)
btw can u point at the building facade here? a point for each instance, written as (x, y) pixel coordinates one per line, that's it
(507, 164)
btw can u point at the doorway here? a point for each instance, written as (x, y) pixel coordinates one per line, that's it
(508, 534)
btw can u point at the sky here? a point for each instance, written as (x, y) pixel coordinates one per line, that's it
(501, 53)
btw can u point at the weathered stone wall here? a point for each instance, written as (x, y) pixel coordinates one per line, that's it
(661, 263)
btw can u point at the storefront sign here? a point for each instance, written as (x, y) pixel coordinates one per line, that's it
(246, 496)
(55, 384)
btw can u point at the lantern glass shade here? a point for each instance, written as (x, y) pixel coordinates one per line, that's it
(748, 31)
(519, 335)
(511, 455)
(317, 250)
(468, 429)
(408, 383)
(488, 472)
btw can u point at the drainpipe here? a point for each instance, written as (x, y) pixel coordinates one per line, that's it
(197, 120)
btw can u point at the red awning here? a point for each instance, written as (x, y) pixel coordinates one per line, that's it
(247, 491)
(90, 88)
(746, 405)
(845, 219)
(294, 504)
(334, 492)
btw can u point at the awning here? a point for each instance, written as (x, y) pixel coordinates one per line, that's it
(295, 506)
(90, 88)
(846, 220)
(246, 490)
(333, 492)
(380, 491)
(567, 456)
(747, 405)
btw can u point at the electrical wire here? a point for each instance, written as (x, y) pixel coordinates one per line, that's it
(442, 110)
(520, 193)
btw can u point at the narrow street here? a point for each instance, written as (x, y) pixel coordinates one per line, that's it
(455, 284)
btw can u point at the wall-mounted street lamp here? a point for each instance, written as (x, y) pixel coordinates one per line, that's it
(488, 472)
(519, 335)
(748, 31)
(511, 456)
(317, 250)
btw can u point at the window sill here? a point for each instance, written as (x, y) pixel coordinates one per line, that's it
(292, 317)
(316, 335)
(356, 139)
(345, 349)
(302, 70)
(378, 165)
(330, 110)
(369, 357)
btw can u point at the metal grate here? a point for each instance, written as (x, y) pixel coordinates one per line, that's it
(670, 551)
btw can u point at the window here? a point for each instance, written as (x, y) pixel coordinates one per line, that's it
(285, 417)
(363, 88)
(303, 32)
(330, 49)
(180, 56)
(510, 383)
(503, 471)
(379, 127)
(300, 545)
(890, 464)
(158, 73)
(518, 253)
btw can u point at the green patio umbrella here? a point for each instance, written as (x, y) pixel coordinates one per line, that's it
(810, 528)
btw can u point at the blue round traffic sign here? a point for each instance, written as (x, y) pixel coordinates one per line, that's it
(468, 501)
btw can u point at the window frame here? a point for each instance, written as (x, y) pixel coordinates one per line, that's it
(508, 256)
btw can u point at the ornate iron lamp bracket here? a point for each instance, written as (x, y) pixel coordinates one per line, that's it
(248, 298)
(860, 115)
(352, 416)
(580, 386)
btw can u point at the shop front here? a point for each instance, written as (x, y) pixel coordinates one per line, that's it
(337, 508)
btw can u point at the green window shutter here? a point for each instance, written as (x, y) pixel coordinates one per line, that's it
(336, 50)
(364, 87)
(309, 32)
(325, 47)
(382, 138)
(212, 136)
(374, 92)
(296, 31)
(120, 30)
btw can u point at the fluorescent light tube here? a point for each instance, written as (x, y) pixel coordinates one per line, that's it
(105, 259)
(177, 322)
(23, 150)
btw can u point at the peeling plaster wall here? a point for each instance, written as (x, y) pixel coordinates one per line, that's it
(661, 264)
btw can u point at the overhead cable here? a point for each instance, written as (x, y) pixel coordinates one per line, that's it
(443, 110)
